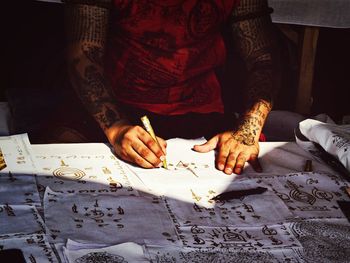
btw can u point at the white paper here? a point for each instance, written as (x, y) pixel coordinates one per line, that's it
(82, 168)
(20, 220)
(18, 189)
(17, 154)
(252, 210)
(238, 238)
(307, 195)
(106, 219)
(187, 255)
(335, 139)
(35, 248)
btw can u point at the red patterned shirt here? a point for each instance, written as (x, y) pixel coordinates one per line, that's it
(162, 54)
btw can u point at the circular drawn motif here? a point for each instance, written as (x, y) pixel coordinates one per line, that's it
(69, 173)
(323, 241)
(100, 257)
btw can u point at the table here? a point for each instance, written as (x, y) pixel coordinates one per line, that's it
(82, 204)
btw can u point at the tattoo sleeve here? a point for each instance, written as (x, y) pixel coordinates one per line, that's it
(86, 27)
(256, 42)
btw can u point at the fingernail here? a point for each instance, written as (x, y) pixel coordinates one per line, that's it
(228, 170)
(162, 158)
(159, 165)
(221, 166)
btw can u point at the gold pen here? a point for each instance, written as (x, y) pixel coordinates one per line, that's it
(148, 127)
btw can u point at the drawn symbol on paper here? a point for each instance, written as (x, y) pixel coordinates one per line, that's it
(74, 208)
(195, 197)
(302, 196)
(231, 236)
(268, 231)
(63, 164)
(198, 240)
(197, 230)
(311, 181)
(299, 195)
(120, 210)
(105, 170)
(187, 166)
(95, 257)
(322, 194)
(69, 173)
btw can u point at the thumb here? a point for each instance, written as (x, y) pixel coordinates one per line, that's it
(207, 146)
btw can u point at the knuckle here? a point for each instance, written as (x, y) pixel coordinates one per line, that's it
(144, 152)
(151, 143)
(129, 136)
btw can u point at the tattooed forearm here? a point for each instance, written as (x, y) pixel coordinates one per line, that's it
(87, 29)
(260, 86)
(93, 53)
(255, 39)
(86, 23)
(95, 94)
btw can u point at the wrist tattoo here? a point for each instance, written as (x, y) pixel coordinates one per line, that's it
(94, 92)
(247, 132)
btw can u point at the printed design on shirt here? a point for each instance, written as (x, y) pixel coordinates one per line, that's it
(160, 43)
(204, 18)
(160, 66)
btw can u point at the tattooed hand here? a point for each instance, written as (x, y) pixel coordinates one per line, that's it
(233, 151)
(133, 144)
(236, 148)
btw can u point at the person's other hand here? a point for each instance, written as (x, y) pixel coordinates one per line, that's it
(135, 145)
(233, 151)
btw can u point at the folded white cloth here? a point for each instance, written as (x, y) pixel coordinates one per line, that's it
(335, 139)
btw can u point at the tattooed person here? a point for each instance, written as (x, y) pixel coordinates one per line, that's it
(130, 58)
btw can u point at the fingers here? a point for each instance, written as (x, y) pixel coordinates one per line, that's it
(207, 146)
(241, 159)
(232, 162)
(254, 162)
(137, 146)
(133, 157)
(232, 156)
(221, 160)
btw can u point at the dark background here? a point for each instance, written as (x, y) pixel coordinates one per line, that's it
(33, 63)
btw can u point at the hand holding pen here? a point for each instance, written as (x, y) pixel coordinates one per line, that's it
(135, 145)
(148, 127)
